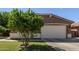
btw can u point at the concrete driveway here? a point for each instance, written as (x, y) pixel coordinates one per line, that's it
(65, 44)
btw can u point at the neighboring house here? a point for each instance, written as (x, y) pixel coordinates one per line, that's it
(75, 29)
(54, 27)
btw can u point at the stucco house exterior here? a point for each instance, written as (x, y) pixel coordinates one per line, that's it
(54, 27)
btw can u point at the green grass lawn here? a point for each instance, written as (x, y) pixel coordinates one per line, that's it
(9, 46)
(15, 46)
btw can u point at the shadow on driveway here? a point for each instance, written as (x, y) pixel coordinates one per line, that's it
(72, 40)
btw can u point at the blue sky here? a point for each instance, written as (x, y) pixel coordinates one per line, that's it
(69, 13)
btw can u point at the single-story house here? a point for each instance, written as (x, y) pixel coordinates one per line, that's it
(54, 27)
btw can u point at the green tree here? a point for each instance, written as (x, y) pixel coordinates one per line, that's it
(3, 18)
(26, 23)
(35, 22)
(2, 29)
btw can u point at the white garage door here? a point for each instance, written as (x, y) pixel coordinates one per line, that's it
(53, 31)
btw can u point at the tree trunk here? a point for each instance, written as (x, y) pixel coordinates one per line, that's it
(29, 37)
(23, 41)
(26, 41)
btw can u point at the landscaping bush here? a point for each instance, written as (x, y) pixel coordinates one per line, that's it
(4, 31)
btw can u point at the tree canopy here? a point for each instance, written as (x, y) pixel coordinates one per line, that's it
(4, 18)
(25, 23)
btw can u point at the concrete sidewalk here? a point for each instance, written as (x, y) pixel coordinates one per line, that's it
(6, 40)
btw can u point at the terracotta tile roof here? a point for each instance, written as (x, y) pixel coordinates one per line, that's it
(75, 25)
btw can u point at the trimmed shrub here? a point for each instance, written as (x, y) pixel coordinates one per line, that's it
(4, 31)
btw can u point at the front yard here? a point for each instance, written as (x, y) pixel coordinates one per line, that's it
(9, 45)
(15, 46)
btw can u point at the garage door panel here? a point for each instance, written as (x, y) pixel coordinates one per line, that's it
(53, 32)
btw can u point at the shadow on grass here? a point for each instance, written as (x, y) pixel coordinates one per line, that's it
(41, 48)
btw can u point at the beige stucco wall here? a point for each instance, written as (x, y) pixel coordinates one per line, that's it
(17, 35)
(53, 31)
(47, 31)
